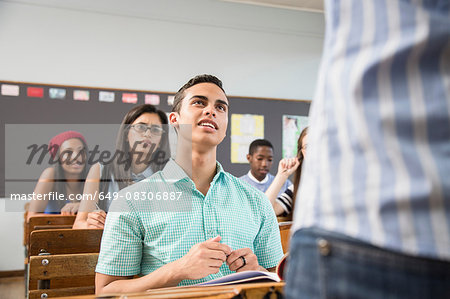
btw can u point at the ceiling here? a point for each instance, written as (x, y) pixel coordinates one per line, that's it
(307, 5)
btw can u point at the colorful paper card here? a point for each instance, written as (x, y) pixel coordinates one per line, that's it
(81, 95)
(292, 127)
(57, 93)
(244, 129)
(152, 99)
(10, 90)
(106, 96)
(130, 98)
(170, 100)
(35, 92)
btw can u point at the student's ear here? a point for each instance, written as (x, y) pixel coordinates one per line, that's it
(249, 157)
(173, 119)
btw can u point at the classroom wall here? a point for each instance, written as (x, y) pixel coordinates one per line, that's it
(159, 44)
(11, 236)
(154, 45)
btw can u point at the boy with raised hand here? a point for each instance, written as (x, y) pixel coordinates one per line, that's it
(260, 157)
(211, 223)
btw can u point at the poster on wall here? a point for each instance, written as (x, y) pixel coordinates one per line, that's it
(244, 129)
(292, 127)
(57, 93)
(106, 96)
(152, 99)
(81, 95)
(129, 98)
(170, 100)
(10, 90)
(35, 92)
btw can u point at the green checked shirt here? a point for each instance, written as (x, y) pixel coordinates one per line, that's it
(158, 220)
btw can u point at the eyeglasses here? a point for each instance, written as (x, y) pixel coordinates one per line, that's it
(142, 129)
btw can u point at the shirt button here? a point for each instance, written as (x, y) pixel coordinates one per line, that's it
(324, 247)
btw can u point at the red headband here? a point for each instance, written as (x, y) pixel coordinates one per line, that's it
(56, 141)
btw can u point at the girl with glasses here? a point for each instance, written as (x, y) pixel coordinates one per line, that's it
(142, 148)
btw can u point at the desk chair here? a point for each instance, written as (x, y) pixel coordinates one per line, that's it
(285, 234)
(62, 241)
(62, 275)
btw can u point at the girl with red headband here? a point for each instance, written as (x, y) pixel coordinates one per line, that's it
(59, 185)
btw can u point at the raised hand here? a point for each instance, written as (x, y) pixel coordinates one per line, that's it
(287, 166)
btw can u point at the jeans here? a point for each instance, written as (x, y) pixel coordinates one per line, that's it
(323, 264)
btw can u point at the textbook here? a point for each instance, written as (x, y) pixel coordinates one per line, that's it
(249, 276)
(242, 277)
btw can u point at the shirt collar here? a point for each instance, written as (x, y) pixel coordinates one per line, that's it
(250, 175)
(173, 172)
(140, 176)
(219, 172)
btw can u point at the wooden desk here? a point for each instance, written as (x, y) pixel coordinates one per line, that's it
(285, 234)
(246, 290)
(45, 221)
(65, 241)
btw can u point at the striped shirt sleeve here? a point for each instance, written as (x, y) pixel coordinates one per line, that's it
(285, 200)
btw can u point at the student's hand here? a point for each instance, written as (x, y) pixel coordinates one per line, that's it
(236, 263)
(203, 259)
(96, 219)
(70, 208)
(287, 166)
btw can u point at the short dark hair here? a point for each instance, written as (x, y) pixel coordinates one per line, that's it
(258, 142)
(194, 81)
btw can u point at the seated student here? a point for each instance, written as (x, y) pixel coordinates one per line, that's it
(140, 141)
(66, 177)
(260, 156)
(284, 203)
(217, 224)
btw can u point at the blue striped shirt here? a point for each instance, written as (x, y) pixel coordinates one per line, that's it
(378, 162)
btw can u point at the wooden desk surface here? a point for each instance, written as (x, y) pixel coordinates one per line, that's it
(247, 290)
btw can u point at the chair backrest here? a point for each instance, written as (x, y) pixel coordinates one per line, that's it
(44, 221)
(285, 234)
(65, 241)
(62, 275)
(25, 224)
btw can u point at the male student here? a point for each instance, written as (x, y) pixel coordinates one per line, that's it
(215, 226)
(260, 156)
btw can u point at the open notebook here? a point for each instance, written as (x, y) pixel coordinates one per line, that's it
(241, 277)
(249, 276)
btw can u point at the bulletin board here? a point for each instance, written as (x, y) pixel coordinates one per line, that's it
(34, 103)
